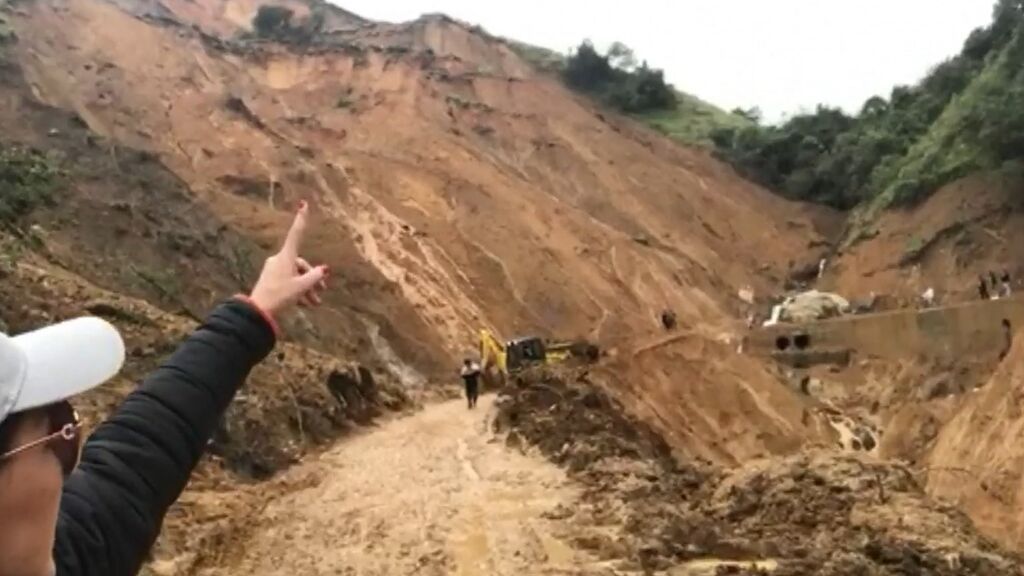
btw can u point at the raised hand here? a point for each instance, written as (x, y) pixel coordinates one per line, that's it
(287, 278)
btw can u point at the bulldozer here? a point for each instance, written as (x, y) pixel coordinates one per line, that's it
(519, 353)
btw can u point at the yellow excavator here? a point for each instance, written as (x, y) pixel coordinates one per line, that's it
(515, 355)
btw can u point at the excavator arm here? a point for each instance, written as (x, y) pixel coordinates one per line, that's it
(492, 353)
(500, 359)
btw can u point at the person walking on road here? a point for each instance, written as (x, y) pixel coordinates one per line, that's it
(471, 378)
(1008, 338)
(98, 512)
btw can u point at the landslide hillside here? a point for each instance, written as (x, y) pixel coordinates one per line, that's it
(966, 229)
(933, 177)
(977, 462)
(157, 149)
(455, 189)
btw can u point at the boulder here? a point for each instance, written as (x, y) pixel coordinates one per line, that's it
(813, 305)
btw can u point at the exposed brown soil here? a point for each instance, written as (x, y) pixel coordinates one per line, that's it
(454, 189)
(431, 493)
(968, 228)
(411, 175)
(976, 462)
(817, 513)
(709, 401)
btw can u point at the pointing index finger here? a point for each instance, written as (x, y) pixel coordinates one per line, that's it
(293, 241)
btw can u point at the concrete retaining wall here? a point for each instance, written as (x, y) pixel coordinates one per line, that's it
(937, 333)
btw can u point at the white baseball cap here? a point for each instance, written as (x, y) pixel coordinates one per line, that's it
(56, 363)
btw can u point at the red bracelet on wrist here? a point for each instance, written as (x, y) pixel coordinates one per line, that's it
(267, 316)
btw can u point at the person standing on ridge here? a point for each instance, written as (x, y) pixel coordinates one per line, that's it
(471, 378)
(98, 511)
(1005, 290)
(983, 288)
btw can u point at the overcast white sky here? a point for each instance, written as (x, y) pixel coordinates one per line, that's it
(781, 55)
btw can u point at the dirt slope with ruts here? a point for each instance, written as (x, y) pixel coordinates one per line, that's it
(473, 197)
(455, 189)
(710, 402)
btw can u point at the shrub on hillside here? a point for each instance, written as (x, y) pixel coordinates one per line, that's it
(272, 20)
(27, 181)
(278, 23)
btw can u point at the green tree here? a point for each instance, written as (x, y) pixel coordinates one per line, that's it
(962, 116)
(587, 69)
(622, 57)
(615, 79)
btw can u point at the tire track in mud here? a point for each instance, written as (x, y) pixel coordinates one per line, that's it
(433, 493)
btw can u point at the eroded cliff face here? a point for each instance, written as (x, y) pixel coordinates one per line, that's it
(453, 189)
(463, 190)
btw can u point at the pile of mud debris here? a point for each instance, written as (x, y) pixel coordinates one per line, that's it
(815, 513)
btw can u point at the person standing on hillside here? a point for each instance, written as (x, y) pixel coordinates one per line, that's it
(98, 512)
(471, 378)
(1008, 339)
(928, 298)
(983, 288)
(1005, 290)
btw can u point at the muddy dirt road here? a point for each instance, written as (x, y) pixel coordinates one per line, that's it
(434, 493)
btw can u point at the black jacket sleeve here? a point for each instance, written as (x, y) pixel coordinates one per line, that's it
(138, 462)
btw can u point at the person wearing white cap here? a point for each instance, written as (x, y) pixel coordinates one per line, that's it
(97, 511)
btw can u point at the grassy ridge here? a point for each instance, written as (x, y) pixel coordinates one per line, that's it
(691, 121)
(963, 117)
